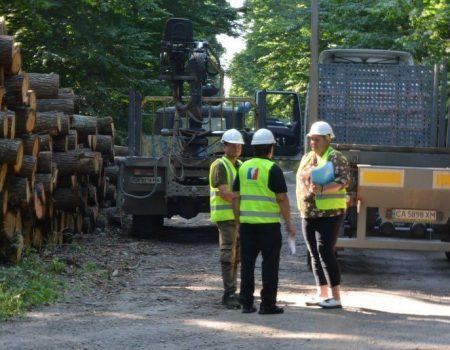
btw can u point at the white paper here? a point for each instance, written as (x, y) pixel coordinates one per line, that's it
(291, 244)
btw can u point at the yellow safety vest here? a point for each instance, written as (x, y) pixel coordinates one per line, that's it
(326, 201)
(221, 210)
(258, 203)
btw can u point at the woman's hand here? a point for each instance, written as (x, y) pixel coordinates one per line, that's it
(316, 188)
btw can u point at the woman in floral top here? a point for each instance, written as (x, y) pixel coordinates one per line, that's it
(322, 208)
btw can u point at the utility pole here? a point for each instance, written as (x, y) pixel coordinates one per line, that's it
(313, 96)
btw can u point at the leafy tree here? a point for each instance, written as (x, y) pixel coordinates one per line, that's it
(104, 48)
(278, 33)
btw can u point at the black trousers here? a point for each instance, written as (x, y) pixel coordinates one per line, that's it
(264, 238)
(321, 236)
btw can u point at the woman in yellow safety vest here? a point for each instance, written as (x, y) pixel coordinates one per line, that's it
(322, 177)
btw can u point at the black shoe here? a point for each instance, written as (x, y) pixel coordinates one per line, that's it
(231, 301)
(270, 310)
(248, 309)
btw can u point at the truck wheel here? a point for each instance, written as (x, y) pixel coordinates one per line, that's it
(146, 226)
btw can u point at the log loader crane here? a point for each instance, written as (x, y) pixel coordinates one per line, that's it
(166, 171)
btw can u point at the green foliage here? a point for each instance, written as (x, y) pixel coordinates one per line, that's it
(29, 283)
(104, 48)
(278, 34)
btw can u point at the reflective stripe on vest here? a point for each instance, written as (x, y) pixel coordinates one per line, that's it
(258, 204)
(334, 200)
(221, 210)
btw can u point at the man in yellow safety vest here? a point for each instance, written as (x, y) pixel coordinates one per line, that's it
(221, 176)
(261, 198)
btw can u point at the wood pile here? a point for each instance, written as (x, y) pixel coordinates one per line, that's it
(57, 168)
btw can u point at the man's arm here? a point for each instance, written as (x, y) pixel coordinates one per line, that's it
(225, 193)
(236, 205)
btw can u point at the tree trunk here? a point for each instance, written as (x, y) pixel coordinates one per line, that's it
(48, 123)
(11, 151)
(18, 191)
(61, 143)
(64, 105)
(46, 143)
(45, 162)
(85, 126)
(3, 124)
(67, 93)
(67, 198)
(120, 151)
(77, 162)
(11, 124)
(4, 204)
(72, 140)
(47, 181)
(3, 174)
(17, 87)
(10, 56)
(32, 99)
(105, 126)
(39, 200)
(65, 124)
(31, 144)
(103, 144)
(44, 85)
(112, 172)
(25, 120)
(28, 169)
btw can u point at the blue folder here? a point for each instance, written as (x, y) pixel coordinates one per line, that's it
(323, 174)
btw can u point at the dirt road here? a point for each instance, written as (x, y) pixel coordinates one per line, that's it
(166, 295)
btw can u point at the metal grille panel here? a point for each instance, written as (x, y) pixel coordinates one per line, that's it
(377, 104)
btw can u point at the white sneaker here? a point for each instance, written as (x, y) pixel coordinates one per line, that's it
(315, 300)
(330, 304)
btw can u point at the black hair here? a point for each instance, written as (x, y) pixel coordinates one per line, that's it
(262, 150)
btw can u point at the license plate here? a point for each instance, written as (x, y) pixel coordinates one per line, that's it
(414, 215)
(145, 180)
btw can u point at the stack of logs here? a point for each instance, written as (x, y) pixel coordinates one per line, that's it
(56, 166)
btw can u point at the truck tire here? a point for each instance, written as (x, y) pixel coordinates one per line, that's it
(146, 226)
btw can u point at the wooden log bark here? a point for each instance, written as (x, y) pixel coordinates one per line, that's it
(67, 198)
(3, 175)
(120, 151)
(103, 144)
(68, 93)
(112, 172)
(19, 194)
(28, 169)
(11, 124)
(85, 126)
(61, 143)
(11, 151)
(68, 181)
(47, 181)
(39, 200)
(45, 162)
(48, 123)
(2, 91)
(8, 226)
(79, 161)
(31, 144)
(72, 140)
(37, 239)
(64, 105)
(44, 85)
(105, 126)
(25, 120)
(3, 124)
(32, 103)
(17, 87)
(46, 143)
(10, 55)
(4, 203)
(65, 124)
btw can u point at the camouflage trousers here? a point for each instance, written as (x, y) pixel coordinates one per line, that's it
(229, 255)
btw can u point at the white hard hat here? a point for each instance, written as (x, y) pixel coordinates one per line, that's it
(321, 128)
(232, 136)
(263, 137)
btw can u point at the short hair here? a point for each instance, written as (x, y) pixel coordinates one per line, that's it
(262, 150)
